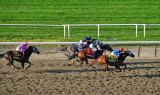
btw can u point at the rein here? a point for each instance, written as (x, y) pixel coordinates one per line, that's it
(21, 57)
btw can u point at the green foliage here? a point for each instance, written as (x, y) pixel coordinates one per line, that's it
(59, 12)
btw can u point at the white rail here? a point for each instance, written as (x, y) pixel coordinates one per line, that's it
(113, 42)
(98, 25)
(107, 42)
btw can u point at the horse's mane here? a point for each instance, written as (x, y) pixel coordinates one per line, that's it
(28, 48)
(125, 52)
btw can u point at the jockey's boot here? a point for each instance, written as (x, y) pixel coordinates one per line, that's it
(93, 54)
(20, 54)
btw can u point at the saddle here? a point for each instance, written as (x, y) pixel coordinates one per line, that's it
(17, 54)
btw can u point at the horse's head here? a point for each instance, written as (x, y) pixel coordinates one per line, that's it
(128, 53)
(106, 47)
(33, 49)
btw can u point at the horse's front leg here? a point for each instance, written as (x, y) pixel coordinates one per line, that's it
(29, 64)
(125, 66)
(81, 63)
(118, 67)
(22, 63)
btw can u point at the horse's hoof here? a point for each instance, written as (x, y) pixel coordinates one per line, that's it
(119, 71)
(93, 67)
(9, 64)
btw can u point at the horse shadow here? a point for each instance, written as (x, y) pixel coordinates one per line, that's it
(143, 76)
(141, 63)
(68, 71)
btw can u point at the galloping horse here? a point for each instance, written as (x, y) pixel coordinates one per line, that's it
(72, 49)
(27, 53)
(82, 55)
(104, 60)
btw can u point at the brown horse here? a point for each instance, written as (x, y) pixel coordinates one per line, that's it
(82, 55)
(27, 53)
(104, 60)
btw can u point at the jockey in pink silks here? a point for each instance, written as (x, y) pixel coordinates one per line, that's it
(22, 48)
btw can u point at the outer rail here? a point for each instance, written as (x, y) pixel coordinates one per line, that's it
(109, 42)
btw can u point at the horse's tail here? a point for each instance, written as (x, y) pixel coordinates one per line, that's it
(1, 55)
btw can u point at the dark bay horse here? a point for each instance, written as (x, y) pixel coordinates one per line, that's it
(82, 55)
(27, 53)
(104, 60)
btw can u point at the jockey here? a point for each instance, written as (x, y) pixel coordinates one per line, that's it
(95, 45)
(83, 43)
(116, 53)
(21, 48)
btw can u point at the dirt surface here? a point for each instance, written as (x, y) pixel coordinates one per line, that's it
(52, 74)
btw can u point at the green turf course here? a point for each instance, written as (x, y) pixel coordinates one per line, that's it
(59, 12)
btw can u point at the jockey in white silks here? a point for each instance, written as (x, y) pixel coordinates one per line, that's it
(95, 45)
(83, 43)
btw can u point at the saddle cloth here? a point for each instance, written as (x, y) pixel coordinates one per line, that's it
(89, 51)
(111, 58)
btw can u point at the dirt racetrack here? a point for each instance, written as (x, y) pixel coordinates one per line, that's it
(59, 77)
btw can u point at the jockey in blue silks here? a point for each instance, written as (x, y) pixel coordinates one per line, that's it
(116, 53)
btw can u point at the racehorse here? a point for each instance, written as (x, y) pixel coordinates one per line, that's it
(105, 60)
(27, 53)
(82, 55)
(72, 49)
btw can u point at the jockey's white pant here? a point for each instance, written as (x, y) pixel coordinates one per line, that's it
(112, 53)
(94, 49)
(82, 43)
(17, 49)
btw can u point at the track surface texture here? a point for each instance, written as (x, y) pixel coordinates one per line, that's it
(51, 75)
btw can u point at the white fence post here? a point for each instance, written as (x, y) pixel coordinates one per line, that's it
(68, 32)
(144, 30)
(64, 31)
(136, 30)
(98, 30)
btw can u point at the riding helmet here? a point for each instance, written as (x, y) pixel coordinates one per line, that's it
(89, 38)
(25, 43)
(121, 49)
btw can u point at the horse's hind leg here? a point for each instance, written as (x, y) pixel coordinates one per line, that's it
(29, 64)
(92, 64)
(81, 63)
(10, 58)
(106, 67)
